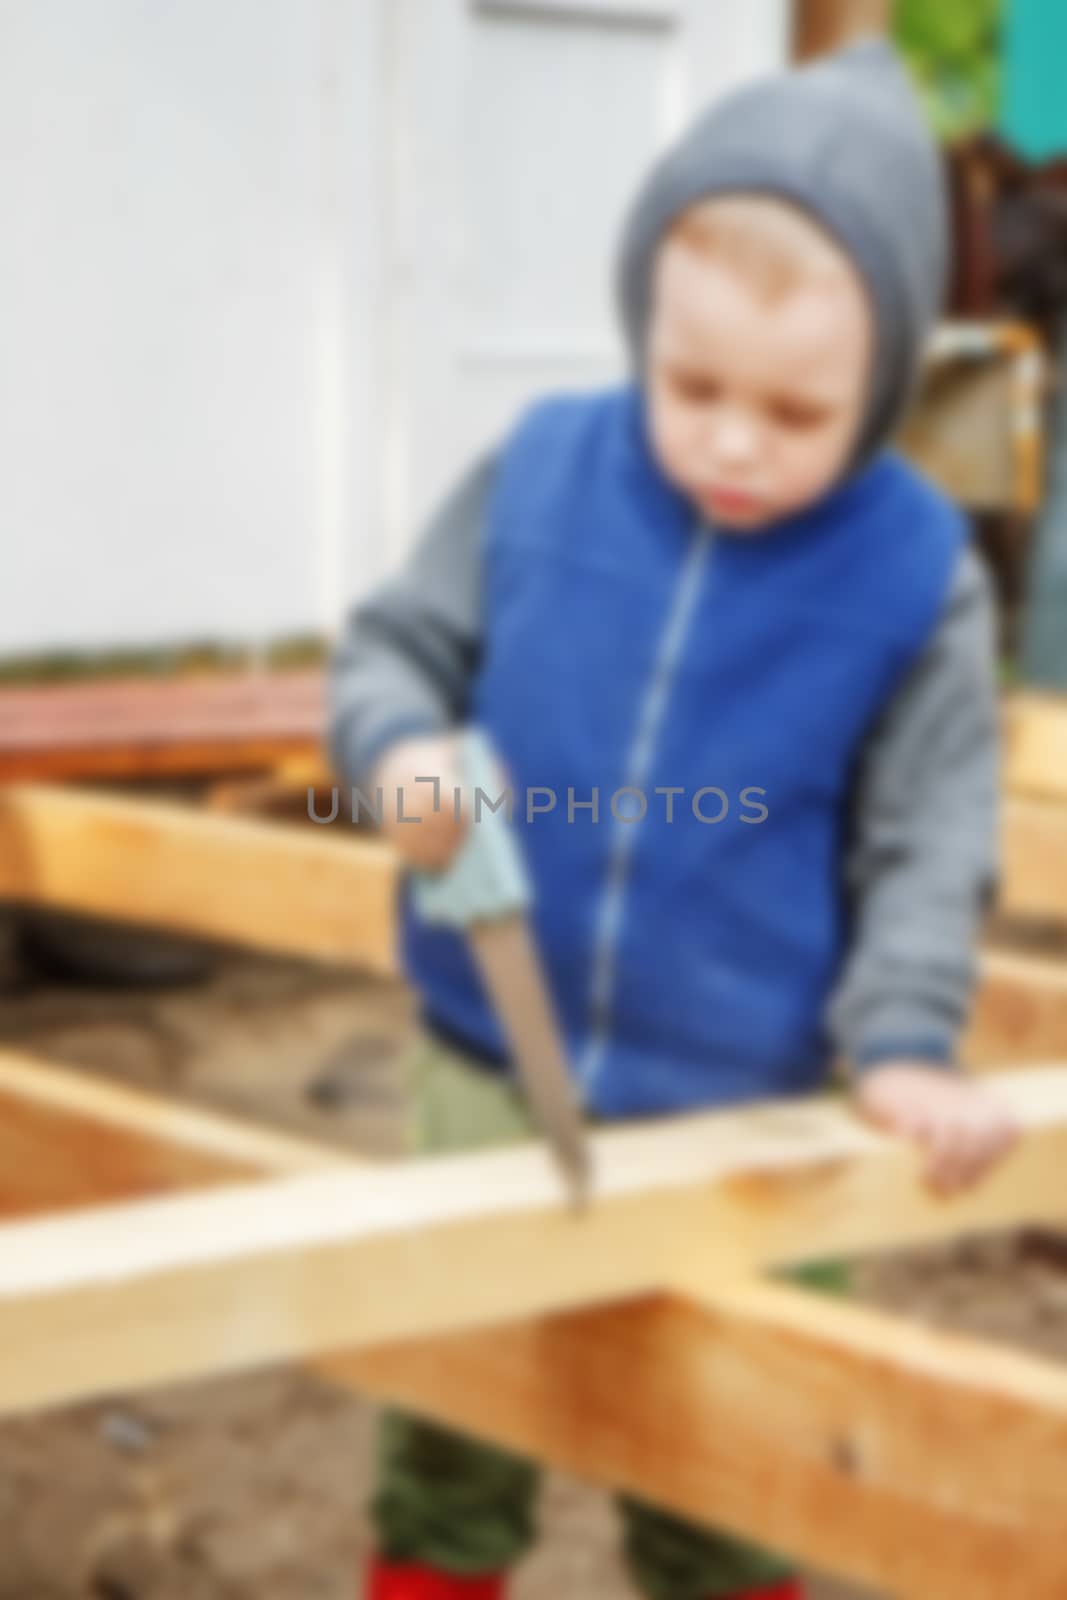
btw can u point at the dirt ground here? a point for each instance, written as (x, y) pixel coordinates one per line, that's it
(252, 1488)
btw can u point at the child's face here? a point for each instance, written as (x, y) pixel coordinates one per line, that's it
(754, 400)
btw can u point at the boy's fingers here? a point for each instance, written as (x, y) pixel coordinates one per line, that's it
(962, 1152)
(948, 1154)
(885, 1114)
(980, 1154)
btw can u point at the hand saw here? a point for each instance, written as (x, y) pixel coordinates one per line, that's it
(486, 892)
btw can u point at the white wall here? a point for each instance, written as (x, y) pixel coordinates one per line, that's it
(228, 368)
(170, 300)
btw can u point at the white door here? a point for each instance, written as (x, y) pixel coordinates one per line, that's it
(517, 132)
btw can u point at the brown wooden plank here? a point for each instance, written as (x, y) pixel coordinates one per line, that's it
(156, 1290)
(163, 760)
(918, 1461)
(70, 1137)
(146, 727)
(70, 1140)
(1035, 745)
(852, 1439)
(1020, 1012)
(53, 1159)
(323, 892)
(973, 426)
(1034, 859)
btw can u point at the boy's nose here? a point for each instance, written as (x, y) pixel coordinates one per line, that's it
(734, 440)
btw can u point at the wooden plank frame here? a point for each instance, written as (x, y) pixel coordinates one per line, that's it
(857, 1440)
(325, 893)
(330, 893)
(860, 1434)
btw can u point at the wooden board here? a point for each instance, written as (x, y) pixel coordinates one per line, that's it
(1034, 860)
(69, 1138)
(52, 1160)
(852, 1439)
(1020, 1012)
(328, 892)
(144, 727)
(157, 1290)
(322, 892)
(1035, 746)
(68, 1141)
(921, 1462)
(975, 424)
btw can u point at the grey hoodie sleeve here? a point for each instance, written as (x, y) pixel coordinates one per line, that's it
(406, 653)
(923, 865)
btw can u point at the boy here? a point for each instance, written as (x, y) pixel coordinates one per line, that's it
(711, 588)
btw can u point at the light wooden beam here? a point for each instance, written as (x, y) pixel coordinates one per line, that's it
(179, 1287)
(329, 894)
(103, 1109)
(855, 1440)
(69, 1139)
(1035, 745)
(326, 892)
(1020, 1012)
(924, 1463)
(1034, 847)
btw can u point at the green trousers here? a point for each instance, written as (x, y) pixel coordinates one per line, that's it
(455, 1503)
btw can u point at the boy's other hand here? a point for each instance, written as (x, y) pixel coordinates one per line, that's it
(429, 843)
(962, 1130)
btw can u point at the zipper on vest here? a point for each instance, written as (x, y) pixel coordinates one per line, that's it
(653, 706)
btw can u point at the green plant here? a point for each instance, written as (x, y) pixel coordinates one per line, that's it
(953, 50)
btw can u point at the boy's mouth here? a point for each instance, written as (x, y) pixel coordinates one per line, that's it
(721, 502)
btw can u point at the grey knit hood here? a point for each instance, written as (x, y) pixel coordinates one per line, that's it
(844, 138)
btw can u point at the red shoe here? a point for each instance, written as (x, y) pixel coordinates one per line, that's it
(786, 1589)
(409, 1581)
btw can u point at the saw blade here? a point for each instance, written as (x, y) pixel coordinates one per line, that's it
(509, 963)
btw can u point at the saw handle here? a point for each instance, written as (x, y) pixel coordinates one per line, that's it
(486, 877)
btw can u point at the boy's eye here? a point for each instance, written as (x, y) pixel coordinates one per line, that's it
(792, 414)
(691, 386)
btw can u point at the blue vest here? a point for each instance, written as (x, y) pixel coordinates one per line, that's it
(713, 691)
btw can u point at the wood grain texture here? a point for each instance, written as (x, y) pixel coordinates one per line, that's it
(853, 1439)
(178, 1287)
(54, 1160)
(1035, 745)
(143, 727)
(331, 894)
(322, 892)
(1020, 1013)
(918, 1461)
(1034, 848)
(70, 1138)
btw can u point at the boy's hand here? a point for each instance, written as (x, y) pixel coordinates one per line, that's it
(962, 1130)
(429, 843)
